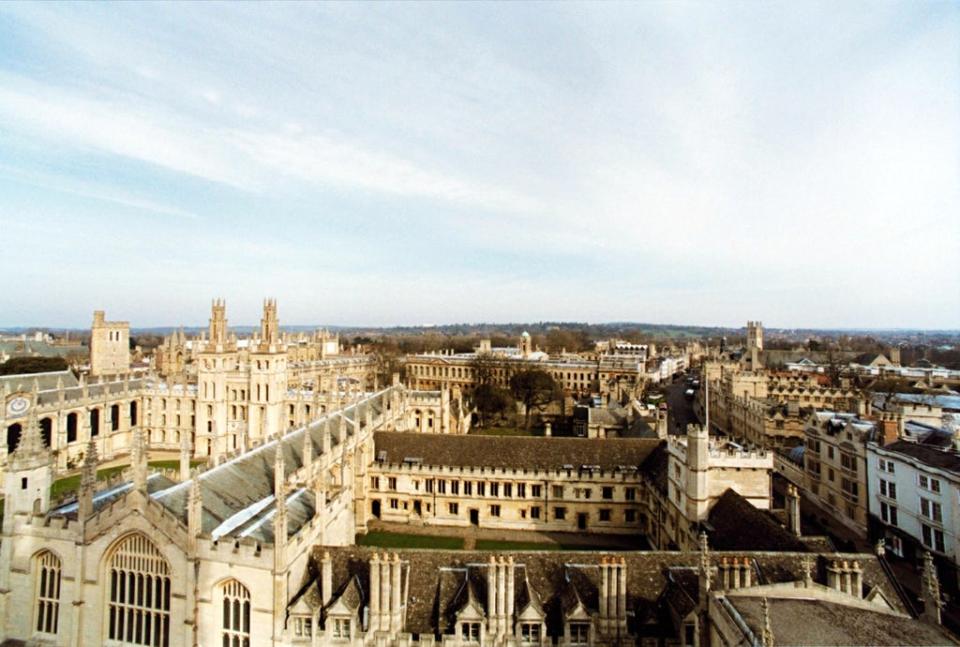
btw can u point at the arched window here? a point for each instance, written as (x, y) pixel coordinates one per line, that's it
(72, 427)
(236, 614)
(46, 430)
(115, 417)
(47, 605)
(13, 436)
(139, 606)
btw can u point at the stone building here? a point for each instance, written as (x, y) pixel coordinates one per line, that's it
(109, 346)
(835, 466)
(241, 391)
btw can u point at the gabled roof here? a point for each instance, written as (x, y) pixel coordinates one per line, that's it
(736, 524)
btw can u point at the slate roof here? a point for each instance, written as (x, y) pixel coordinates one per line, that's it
(437, 577)
(932, 456)
(817, 622)
(45, 381)
(511, 452)
(656, 467)
(735, 524)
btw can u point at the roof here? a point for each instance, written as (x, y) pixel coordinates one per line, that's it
(926, 454)
(738, 525)
(437, 582)
(656, 467)
(512, 452)
(45, 381)
(818, 622)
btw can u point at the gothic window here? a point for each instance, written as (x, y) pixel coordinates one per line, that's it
(71, 427)
(236, 615)
(139, 597)
(46, 430)
(47, 604)
(13, 437)
(115, 417)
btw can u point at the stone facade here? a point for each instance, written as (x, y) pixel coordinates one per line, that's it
(109, 346)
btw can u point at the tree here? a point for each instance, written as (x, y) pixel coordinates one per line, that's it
(483, 366)
(21, 365)
(490, 401)
(535, 389)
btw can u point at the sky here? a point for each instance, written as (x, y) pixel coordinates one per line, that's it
(398, 163)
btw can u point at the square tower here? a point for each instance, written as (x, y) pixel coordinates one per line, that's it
(109, 346)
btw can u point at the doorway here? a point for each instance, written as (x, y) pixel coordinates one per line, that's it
(474, 517)
(581, 521)
(375, 508)
(416, 508)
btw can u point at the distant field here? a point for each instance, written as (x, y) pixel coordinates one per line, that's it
(399, 540)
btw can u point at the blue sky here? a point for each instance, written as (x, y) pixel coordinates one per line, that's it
(398, 163)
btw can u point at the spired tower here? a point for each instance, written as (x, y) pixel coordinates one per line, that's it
(109, 346)
(268, 376)
(217, 357)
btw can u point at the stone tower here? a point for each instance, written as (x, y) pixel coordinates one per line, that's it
(214, 362)
(755, 343)
(268, 376)
(28, 477)
(698, 468)
(109, 346)
(526, 345)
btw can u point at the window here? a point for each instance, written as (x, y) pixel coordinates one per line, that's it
(536, 491)
(47, 606)
(579, 633)
(139, 606)
(453, 508)
(848, 462)
(929, 483)
(630, 493)
(470, 632)
(303, 627)
(607, 493)
(494, 489)
(886, 466)
(535, 512)
(604, 514)
(429, 485)
(392, 483)
(454, 487)
(630, 516)
(508, 490)
(467, 488)
(888, 489)
(560, 513)
(932, 537)
(481, 488)
(888, 513)
(341, 628)
(931, 510)
(394, 504)
(530, 632)
(441, 486)
(375, 482)
(830, 452)
(557, 491)
(494, 511)
(236, 615)
(522, 490)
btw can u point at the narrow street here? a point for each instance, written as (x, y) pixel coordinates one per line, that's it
(680, 406)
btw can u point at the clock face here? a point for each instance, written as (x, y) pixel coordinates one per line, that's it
(17, 406)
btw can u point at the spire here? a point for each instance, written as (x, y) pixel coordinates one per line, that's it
(704, 569)
(30, 451)
(766, 639)
(194, 509)
(930, 590)
(184, 456)
(138, 460)
(88, 481)
(807, 565)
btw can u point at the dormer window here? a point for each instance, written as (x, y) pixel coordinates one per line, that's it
(579, 633)
(470, 632)
(530, 633)
(341, 628)
(303, 627)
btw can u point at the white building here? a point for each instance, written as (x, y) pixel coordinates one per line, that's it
(914, 500)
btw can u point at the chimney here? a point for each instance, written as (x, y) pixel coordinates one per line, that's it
(326, 578)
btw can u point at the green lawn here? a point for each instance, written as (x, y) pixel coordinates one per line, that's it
(492, 544)
(506, 431)
(71, 483)
(398, 540)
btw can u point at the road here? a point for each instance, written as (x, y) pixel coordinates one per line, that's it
(680, 407)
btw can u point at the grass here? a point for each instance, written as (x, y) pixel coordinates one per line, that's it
(493, 544)
(506, 431)
(70, 484)
(399, 540)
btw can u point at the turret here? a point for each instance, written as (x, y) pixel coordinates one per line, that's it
(29, 474)
(88, 481)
